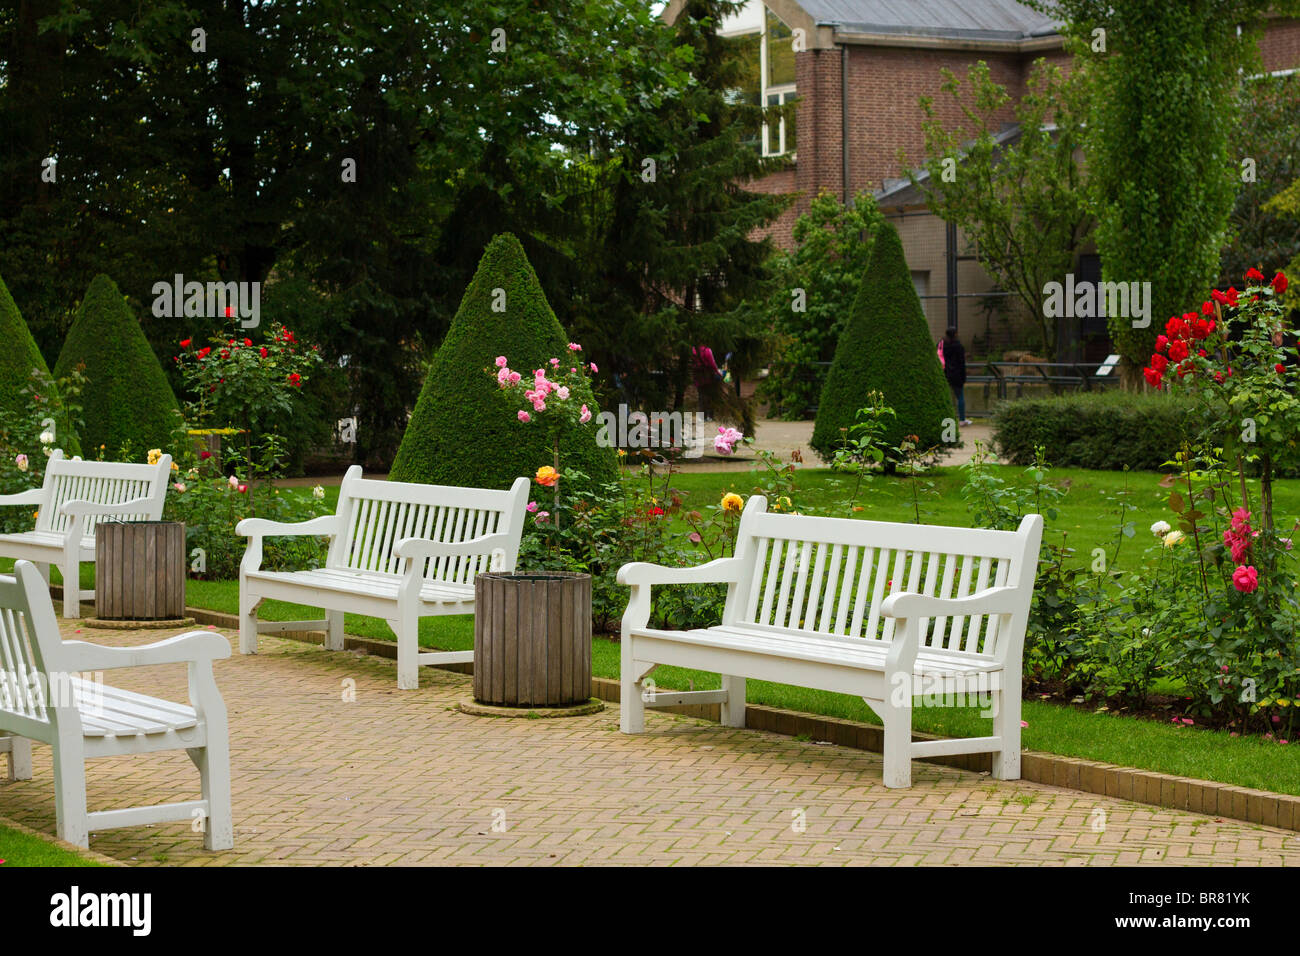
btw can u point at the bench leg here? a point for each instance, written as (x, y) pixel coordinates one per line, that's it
(631, 705)
(407, 630)
(213, 762)
(70, 793)
(20, 758)
(248, 605)
(1006, 725)
(72, 589)
(733, 709)
(334, 630)
(898, 745)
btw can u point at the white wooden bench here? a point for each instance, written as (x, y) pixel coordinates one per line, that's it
(75, 496)
(46, 696)
(881, 611)
(398, 551)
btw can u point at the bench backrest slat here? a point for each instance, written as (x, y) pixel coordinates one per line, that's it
(101, 482)
(378, 514)
(829, 576)
(27, 656)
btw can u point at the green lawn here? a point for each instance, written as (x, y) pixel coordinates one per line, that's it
(1184, 751)
(22, 849)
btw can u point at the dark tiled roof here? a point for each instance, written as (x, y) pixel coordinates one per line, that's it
(964, 19)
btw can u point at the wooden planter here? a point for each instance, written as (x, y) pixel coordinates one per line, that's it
(139, 570)
(532, 639)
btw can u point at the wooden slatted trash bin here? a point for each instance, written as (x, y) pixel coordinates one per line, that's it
(140, 570)
(532, 639)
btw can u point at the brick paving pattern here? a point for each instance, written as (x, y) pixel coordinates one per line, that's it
(401, 777)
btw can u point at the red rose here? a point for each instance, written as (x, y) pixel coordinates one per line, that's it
(1152, 377)
(1279, 283)
(1175, 328)
(205, 455)
(1178, 351)
(1218, 377)
(295, 379)
(185, 343)
(1159, 363)
(203, 352)
(1161, 342)
(248, 341)
(1207, 308)
(225, 353)
(264, 352)
(1218, 296)
(1201, 352)
(1279, 368)
(1255, 274)
(1232, 296)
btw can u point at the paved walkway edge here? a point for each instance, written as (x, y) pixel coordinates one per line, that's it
(1123, 783)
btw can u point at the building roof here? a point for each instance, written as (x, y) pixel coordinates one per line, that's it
(956, 19)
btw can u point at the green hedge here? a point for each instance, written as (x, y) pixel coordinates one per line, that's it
(885, 347)
(128, 405)
(17, 361)
(462, 432)
(1105, 430)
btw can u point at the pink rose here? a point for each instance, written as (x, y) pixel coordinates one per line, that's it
(725, 443)
(593, 367)
(514, 378)
(1245, 579)
(524, 416)
(585, 416)
(575, 347)
(562, 391)
(501, 361)
(532, 507)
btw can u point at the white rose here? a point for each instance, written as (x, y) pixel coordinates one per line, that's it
(1172, 538)
(47, 438)
(318, 492)
(1160, 528)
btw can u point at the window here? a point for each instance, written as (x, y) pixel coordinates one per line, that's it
(766, 44)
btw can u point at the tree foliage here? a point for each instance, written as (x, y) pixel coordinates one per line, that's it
(1019, 201)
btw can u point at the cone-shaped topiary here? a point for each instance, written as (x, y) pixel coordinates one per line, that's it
(462, 432)
(128, 405)
(885, 347)
(17, 360)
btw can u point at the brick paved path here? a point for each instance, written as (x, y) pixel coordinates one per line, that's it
(403, 778)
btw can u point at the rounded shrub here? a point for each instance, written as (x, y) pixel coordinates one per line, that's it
(1108, 429)
(462, 432)
(128, 405)
(885, 347)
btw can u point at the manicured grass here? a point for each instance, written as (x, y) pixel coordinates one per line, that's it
(22, 849)
(1083, 515)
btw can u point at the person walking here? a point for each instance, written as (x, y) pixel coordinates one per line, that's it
(708, 378)
(953, 357)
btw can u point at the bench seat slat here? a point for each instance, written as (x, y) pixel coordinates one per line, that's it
(366, 582)
(821, 649)
(121, 713)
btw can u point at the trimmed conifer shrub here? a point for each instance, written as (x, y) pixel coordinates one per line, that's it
(128, 406)
(885, 347)
(18, 359)
(462, 432)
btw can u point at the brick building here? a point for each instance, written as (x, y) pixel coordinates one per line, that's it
(856, 70)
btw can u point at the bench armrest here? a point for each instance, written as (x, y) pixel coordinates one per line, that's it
(264, 527)
(720, 571)
(1002, 600)
(33, 496)
(134, 506)
(193, 647)
(424, 548)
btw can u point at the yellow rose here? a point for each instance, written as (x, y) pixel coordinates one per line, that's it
(154, 455)
(732, 502)
(547, 476)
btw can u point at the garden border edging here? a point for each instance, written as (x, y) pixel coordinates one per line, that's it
(1089, 776)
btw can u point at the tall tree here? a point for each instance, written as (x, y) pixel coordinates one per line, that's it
(1160, 164)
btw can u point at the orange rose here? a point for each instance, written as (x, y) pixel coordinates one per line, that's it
(547, 476)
